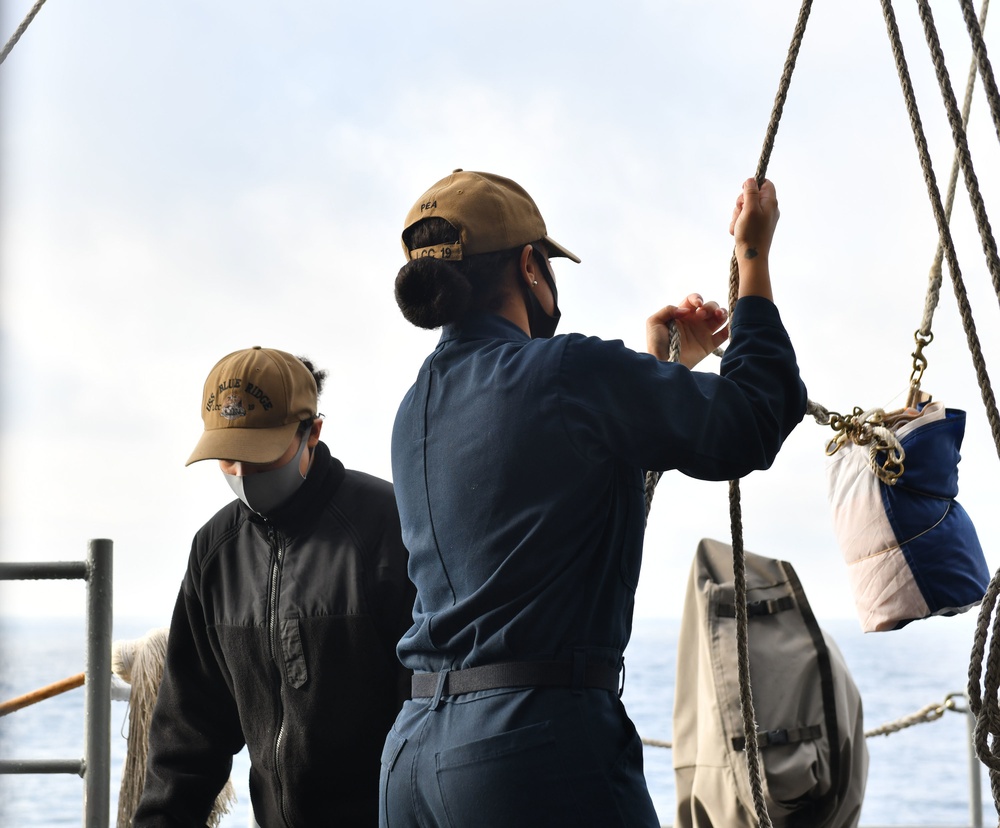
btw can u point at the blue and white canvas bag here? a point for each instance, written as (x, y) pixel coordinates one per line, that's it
(911, 549)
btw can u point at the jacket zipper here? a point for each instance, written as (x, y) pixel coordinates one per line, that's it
(277, 556)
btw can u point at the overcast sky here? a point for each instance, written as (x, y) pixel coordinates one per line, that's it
(185, 179)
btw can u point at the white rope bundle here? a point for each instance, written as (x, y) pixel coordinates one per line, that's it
(139, 662)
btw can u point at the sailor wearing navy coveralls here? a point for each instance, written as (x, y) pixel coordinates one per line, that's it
(518, 461)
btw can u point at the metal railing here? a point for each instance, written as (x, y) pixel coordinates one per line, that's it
(95, 766)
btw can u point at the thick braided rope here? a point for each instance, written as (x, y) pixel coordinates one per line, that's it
(943, 228)
(987, 719)
(934, 280)
(735, 512)
(961, 141)
(21, 30)
(735, 508)
(979, 47)
(935, 277)
(985, 707)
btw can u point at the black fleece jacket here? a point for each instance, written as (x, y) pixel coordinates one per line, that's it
(283, 638)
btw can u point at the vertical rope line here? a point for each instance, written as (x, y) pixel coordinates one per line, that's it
(735, 508)
(21, 30)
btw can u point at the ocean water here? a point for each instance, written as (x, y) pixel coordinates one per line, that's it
(917, 777)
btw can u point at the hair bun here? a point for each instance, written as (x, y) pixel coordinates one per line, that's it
(431, 293)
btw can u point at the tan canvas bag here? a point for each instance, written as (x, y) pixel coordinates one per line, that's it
(807, 706)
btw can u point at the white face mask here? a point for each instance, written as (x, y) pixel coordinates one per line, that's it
(266, 491)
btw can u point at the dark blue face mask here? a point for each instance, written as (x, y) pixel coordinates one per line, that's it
(266, 491)
(540, 324)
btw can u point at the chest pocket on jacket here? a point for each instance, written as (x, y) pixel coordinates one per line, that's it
(292, 654)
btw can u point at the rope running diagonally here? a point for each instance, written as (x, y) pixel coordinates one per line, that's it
(925, 715)
(820, 413)
(21, 30)
(935, 277)
(958, 132)
(975, 29)
(735, 510)
(987, 714)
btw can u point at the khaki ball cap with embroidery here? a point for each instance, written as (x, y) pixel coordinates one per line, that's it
(252, 404)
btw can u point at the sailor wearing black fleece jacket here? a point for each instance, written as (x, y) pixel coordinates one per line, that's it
(283, 638)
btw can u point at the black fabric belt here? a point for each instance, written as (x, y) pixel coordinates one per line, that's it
(514, 674)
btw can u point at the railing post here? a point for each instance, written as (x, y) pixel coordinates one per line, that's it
(97, 724)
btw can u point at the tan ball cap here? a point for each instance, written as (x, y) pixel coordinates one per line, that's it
(490, 212)
(252, 404)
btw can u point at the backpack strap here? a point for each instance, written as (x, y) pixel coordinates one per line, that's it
(758, 608)
(776, 738)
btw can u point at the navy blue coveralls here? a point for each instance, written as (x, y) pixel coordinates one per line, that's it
(518, 468)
